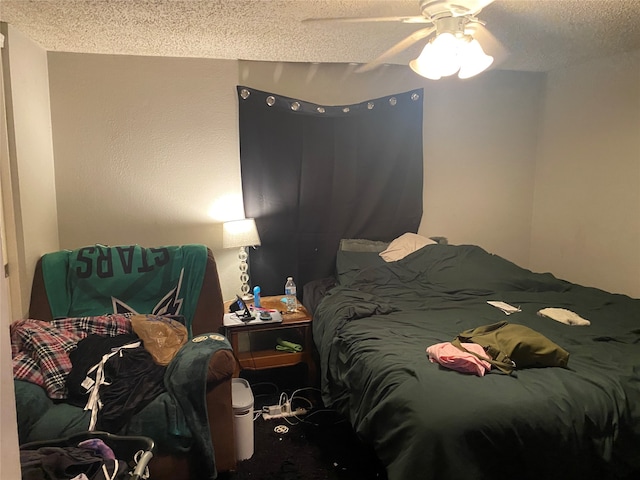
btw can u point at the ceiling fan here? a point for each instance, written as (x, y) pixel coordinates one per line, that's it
(456, 47)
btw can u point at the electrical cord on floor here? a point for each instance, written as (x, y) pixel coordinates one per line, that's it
(286, 402)
(311, 413)
(255, 386)
(306, 420)
(295, 396)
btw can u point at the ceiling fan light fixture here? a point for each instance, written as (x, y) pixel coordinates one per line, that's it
(438, 59)
(473, 60)
(445, 53)
(426, 64)
(448, 54)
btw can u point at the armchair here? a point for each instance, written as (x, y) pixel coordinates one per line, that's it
(39, 416)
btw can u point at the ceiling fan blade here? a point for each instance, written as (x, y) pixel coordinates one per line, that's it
(414, 19)
(397, 48)
(474, 6)
(480, 4)
(490, 44)
(434, 9)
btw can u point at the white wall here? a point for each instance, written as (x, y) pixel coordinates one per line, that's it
(146, 148)
(162, 134)
(479, 142)
(33, 223)
(586, 222)
(145, 145)
(480, 145)
(9, 453)
(29, 204)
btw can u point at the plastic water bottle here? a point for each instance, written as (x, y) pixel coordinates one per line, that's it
(290, 292)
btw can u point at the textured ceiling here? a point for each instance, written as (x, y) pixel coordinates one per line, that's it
(539, 35)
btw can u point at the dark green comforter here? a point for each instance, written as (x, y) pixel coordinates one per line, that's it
(428, 422)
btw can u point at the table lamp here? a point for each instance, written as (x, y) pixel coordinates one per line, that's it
(243, 234)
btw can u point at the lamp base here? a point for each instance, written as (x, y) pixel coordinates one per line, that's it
(248, 297)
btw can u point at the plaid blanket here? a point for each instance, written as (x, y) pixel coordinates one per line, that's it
(40, 350)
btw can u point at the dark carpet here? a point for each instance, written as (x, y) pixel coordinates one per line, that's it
(319, 446)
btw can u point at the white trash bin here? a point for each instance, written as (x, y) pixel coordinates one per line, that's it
(242, 400)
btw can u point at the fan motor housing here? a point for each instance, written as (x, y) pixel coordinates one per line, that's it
(436, 9)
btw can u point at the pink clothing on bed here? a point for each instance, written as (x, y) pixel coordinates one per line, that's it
(450, 356)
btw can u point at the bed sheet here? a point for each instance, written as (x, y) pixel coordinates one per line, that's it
(429, 422)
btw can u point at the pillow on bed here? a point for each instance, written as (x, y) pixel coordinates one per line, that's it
(362, 245)
(349, 264)
(404, 245)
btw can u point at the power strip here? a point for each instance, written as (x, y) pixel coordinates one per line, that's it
(281, 411)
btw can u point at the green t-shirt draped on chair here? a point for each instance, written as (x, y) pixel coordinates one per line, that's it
(123, 279)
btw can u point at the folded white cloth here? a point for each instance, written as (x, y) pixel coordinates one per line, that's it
(505, 307)
(565, 316)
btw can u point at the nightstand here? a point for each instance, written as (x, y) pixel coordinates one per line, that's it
(254, 345)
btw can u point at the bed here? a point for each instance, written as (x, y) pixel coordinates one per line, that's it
(426, 421)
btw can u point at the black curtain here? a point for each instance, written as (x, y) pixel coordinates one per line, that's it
(314, 174)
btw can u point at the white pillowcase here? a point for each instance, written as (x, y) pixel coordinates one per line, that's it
(404, 245)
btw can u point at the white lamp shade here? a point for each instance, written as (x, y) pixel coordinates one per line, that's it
(240, 233)
(473, 60)
(445, 48)
(426, 64)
